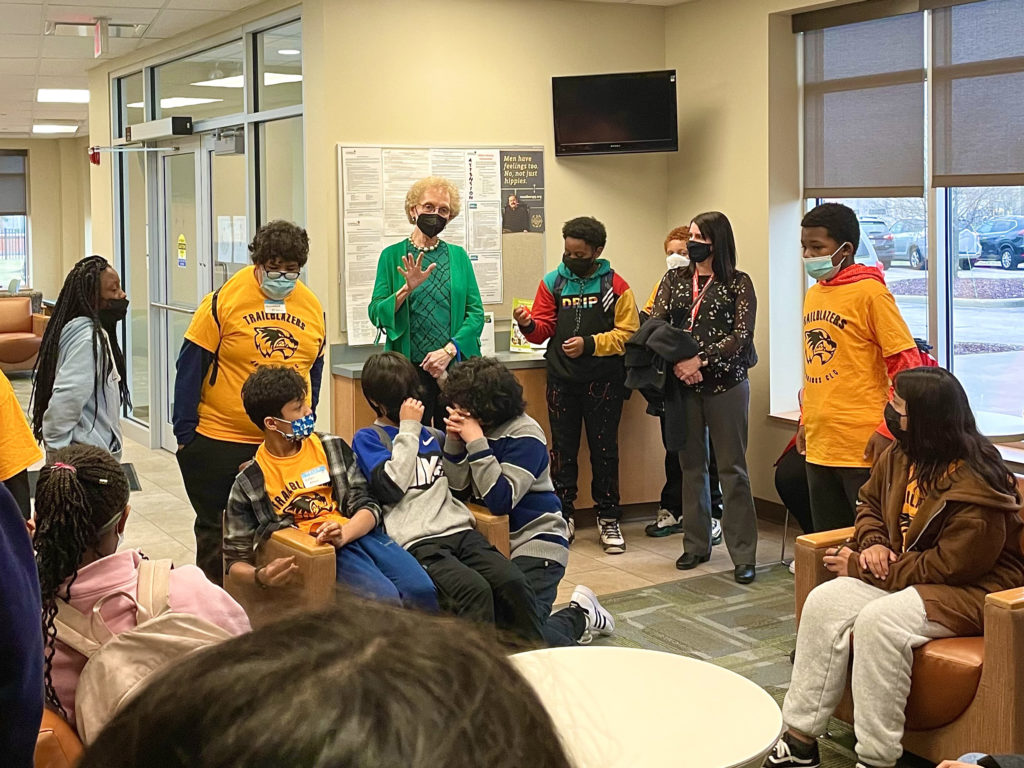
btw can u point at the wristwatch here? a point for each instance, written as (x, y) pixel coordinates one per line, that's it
(256, 577)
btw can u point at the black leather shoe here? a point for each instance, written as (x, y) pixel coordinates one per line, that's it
(687, 561)
(744, 574)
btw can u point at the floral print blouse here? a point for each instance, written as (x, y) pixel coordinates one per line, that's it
(724, 325)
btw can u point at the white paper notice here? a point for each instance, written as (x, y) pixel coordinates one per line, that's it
(363, 179)
(402, 169)
(225, 239)
(362, 251)
(484, 171)
(487, 268)
(487, 336)
(450, 164)
(239, 237)
(484, 226)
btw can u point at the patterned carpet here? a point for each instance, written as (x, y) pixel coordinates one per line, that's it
(748, 629)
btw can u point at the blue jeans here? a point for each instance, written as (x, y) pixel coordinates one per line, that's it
(376, 567)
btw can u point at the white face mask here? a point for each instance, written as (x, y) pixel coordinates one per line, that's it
(676, 261)
(120, 541)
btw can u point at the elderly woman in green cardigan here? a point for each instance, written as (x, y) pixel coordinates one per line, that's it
(425, 299)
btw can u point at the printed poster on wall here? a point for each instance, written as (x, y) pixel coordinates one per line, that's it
(375, 181)
(522, 190)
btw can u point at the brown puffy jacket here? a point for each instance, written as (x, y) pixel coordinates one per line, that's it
(963, 543)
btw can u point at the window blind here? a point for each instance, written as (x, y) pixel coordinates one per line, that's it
(864, 90)
(13, 187)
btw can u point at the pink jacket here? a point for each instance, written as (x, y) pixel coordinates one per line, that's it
(190, 593)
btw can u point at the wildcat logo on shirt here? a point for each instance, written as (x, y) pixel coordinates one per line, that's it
(309, 506)
(820, 346)
(270, 340)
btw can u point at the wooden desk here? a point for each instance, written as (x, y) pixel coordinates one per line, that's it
(641, 455)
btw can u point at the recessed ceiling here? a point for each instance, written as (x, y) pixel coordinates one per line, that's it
(30, 60)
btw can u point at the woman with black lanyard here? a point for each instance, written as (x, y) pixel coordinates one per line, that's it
(715, 302)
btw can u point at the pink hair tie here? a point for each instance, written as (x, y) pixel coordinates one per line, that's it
(62, 465)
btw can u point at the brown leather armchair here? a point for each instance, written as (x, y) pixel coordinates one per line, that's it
(314, 587)
(966, 693)
(21, 333)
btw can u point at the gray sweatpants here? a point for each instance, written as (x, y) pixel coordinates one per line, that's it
(888, 627)
(724, 417)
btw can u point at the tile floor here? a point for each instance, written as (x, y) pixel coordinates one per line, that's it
(161, 525)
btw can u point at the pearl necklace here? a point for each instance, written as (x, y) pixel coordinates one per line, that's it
(424, 249)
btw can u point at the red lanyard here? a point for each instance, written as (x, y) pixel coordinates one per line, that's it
(697, 298)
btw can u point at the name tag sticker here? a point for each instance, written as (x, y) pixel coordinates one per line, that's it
(272, 307)
(317, 476)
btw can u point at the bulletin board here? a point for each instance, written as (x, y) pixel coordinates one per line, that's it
(503, 237)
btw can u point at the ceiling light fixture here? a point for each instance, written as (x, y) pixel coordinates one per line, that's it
(290, 52)
(238, 81)
(88, 29)
(53, 128)
(62, 96)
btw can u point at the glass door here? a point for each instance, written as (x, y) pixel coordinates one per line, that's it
(229, 231)
(183, 267)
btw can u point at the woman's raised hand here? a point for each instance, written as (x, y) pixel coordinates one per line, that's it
(413, 271)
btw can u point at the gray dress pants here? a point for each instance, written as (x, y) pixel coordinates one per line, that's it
(724, 417)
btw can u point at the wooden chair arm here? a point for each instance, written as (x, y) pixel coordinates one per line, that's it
(39, 323)
(1007, 600)
(493, 527)
(810, 568)
(825, 539)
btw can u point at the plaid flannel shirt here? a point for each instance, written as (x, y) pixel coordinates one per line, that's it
(249, 518)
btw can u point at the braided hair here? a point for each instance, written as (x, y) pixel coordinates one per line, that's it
(78, 496)
(79, 297)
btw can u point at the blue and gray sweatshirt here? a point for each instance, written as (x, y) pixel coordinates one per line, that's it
(508, 469)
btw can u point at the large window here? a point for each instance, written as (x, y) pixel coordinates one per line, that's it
(203, 85)
(14, 254)
(283, 183)
(279, 67)
(949, 165)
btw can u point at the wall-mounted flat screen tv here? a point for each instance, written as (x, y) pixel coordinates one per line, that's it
(609, 114)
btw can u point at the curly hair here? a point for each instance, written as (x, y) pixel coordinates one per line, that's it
(280, 240)
(588, 229)
(268, 390)
(78, 297)
(412, 197)
(838, 220)
(679, 233)
(487, 389)
(78, 498)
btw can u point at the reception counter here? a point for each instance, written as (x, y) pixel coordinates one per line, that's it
(641, 455)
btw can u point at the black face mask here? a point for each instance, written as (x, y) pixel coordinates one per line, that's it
(892, 421)
(579, 267)
(698, 252)
(113, 313)
(431, 224)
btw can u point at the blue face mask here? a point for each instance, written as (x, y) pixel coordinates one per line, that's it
(277, 287)
(821, 267)
(301, 428)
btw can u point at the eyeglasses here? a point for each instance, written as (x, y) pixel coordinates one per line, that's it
(276, 274)
(444, 210)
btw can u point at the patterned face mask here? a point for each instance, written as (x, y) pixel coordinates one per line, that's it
(301, 428)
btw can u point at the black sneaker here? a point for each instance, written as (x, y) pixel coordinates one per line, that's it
(791, 753)
(666, 524)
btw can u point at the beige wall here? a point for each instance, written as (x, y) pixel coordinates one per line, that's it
(480, 74)
(58, 207)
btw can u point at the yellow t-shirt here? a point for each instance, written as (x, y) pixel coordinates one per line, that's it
(649, 306)
(254, 331)
(848, 331)
(18, 448)
(911, 502)
(300, 485)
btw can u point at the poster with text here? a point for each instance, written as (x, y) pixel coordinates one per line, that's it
(522, 190)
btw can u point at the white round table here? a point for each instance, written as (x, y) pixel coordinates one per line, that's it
(999, 427)
(631, 707)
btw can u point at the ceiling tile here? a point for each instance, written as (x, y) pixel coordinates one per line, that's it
(23, 19)
(66, 81)
(81, 48)
(18, 66)
(61, 111)
(18, 82)
(172, 22)
(20, 46)
(211, 5)
(87, 13)
(62, 67)
(89, 4)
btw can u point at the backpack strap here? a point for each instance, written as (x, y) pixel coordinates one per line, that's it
(154, 588)
(74, 629)
(215, 366)
(385, 438)
(557, 286)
